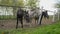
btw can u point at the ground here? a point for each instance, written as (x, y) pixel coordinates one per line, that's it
(11, 24)
(42, 29)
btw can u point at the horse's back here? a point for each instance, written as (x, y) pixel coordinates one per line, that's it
(19, 13)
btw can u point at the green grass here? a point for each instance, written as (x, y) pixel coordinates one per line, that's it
(45, 29)
(3, 17)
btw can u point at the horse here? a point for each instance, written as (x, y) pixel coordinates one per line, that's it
(45, 15)
(38, 15)
(20, 14)
(34, 14)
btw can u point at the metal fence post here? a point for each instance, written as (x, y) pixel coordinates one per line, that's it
(53, 20)
(58, 15)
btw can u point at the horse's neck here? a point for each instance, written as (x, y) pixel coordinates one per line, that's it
(35, 12)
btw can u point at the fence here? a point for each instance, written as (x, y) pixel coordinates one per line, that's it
(55, 16)
(8, 17)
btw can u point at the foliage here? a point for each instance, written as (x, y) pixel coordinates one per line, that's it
(21, 3)
(32, 3)
(12, 2)
(6, 2)
(57, 5)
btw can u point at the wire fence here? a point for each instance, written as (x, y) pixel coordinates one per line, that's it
(55, 16)
(8, 17)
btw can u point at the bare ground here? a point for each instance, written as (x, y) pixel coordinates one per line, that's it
(11, 24)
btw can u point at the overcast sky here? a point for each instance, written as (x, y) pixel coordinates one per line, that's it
(48, 4)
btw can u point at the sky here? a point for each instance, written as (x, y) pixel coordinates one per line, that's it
(48, 5)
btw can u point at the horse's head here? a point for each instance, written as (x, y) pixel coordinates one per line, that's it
(26, 16)
(46, 14)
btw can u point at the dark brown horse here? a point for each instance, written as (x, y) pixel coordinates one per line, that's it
(45, 15)
(20, 14)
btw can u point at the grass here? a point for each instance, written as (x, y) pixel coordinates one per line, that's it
(45, 29)
(4, 17)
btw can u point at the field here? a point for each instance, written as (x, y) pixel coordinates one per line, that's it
(11, 24)
(8, 26)
(43, 29)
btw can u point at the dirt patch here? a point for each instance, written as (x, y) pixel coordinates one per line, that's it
(11, 24)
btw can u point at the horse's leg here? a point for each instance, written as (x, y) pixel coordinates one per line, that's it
(17, 24)
(21, 22)
(41, 19)
(35, 21)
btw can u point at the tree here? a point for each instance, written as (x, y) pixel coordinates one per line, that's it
(20, 3)
(32, 3)
(57, 5)
(6, 2)
(12, 3)
(17, 3)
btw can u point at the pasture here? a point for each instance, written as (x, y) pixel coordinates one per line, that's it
(43, 29)
(26, 17)
(8, 25)
(9, 22)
